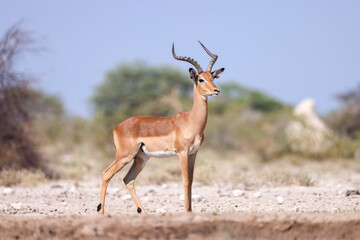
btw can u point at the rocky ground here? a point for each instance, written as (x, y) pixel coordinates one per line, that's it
(61, 209)
(81, 198)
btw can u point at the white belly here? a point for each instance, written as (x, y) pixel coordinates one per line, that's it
(145, 154)
(157, 154)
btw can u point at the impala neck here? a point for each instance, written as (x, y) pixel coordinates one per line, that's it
(198, 113)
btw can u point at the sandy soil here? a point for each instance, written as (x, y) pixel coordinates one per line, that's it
(66, 209)
(184, 226)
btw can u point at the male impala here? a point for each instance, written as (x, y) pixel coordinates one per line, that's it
(140, 138)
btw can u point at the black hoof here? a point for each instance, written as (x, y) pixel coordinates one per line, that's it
(99, 207)
(139, 210)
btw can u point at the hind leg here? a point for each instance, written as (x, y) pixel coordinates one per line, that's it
(115, 167)
(130, 177)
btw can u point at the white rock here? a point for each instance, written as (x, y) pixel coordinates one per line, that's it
(195, 196)
(8, 191)
(334, 210)
(257, 194)
(160, 210)
(238, 193)
(16, 206)
(3, 207)
(73, 189)
(279, 199)
(164, 185)
(63, 203)
(308, 133)
(126, 197)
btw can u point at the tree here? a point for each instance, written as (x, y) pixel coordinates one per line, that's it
(138, 89)
(17, 145)
(345, 121)
(235, 98)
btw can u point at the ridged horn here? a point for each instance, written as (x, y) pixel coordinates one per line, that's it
(187, 59)
(213, 56)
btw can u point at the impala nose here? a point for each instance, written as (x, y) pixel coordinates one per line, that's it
(217, 90)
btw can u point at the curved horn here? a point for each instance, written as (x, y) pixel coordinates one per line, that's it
(213, 56)
(187, 59)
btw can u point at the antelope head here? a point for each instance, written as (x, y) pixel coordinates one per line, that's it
(204, 81)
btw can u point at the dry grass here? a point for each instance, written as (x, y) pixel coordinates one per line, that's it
(249, 171)
(21, 177)
(76, 161)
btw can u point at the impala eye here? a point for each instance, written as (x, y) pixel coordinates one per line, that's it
(201, 80)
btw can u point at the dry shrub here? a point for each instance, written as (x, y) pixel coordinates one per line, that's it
(249, 131)
(17, 145)
(346, 120)
(250, 171)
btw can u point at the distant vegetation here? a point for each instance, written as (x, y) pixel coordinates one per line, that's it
(346, 120)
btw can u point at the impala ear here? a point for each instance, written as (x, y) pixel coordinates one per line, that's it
(216, 74)
(193, 74)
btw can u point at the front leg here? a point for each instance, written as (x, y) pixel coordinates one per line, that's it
(187, 170)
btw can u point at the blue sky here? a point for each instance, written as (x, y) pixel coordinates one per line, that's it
(288, 49)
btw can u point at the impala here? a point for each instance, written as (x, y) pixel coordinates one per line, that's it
(140, 138)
